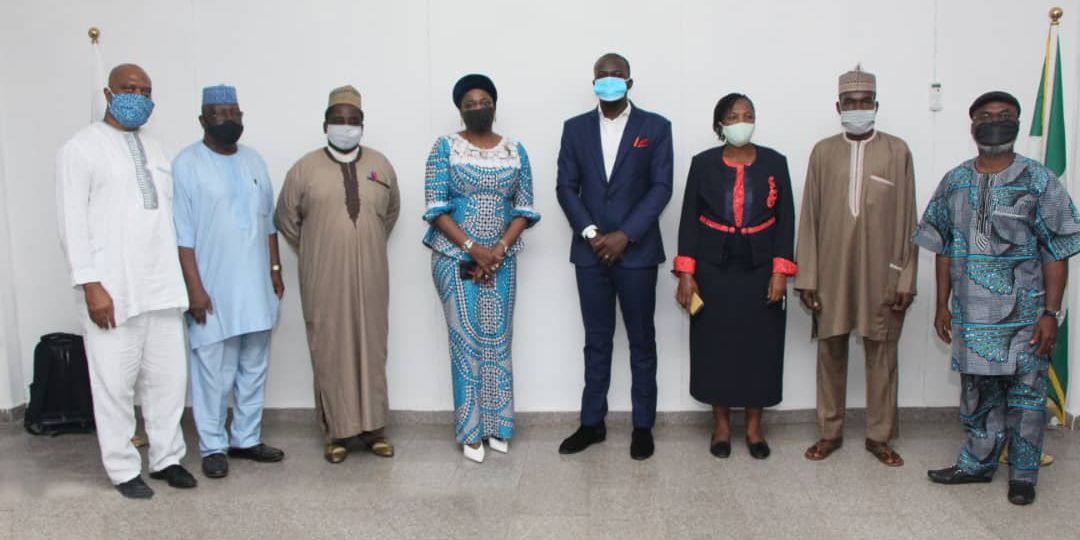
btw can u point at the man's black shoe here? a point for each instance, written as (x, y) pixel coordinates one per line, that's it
(135, 489)
(1021, 493)
(177, 476)
(955, 475)
(260, 452)
(583, 438)
(215, 465)
(641, 444)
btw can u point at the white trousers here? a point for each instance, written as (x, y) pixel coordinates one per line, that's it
(147, 351)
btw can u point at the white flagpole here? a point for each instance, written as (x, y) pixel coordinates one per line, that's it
(97, 76)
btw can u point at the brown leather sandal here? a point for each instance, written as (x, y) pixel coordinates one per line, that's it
(887, 456)
(822, 449)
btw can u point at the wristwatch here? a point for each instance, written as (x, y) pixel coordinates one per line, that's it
(591, 233)
(467, 244)
(1058, 315)
(275, 268)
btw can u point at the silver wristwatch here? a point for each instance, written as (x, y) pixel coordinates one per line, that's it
(1057, 315)
(591, 233)
(467, 244)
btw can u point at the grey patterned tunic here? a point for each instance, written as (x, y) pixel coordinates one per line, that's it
(999, 229)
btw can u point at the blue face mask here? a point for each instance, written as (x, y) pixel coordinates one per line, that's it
(131, 110)
(610, 88)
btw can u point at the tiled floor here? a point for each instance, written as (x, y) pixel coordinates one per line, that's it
(55, 488)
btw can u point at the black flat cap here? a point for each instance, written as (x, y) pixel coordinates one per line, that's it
(995, 96)
(473, 81)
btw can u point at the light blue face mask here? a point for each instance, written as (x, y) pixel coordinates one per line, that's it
(131, 110)
(610, 88)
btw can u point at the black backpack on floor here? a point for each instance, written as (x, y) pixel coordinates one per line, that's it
(60, 399)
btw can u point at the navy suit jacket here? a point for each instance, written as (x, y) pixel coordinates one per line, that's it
(631, 201)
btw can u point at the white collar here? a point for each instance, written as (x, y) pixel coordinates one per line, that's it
(866, 140)
(346, 157)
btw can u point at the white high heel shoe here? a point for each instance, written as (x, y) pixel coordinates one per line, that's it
(475, 454)
(499, 445)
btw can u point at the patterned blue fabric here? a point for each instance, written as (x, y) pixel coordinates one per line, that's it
(998, 230)
(1000, 410)
(483, 190)
(142, 172)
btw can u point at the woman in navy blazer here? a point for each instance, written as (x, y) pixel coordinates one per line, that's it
(736, 247)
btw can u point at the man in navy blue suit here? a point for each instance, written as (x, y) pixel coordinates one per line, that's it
(614, 180)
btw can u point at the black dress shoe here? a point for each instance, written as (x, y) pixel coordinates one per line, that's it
(720, 449)
(260, 452)
(1021, 493)
(758, 450)
(215, 466)
(176, 475)
(641, 444)
(583, 438)
(956, 475)
(135, 489)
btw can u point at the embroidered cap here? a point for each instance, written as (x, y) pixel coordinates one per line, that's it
(858, 80)
(344, 95)
(220, 94)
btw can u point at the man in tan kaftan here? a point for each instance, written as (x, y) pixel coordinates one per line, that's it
(337, 208)
(857, 264)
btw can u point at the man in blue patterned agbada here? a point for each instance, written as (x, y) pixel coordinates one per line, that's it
(1002, 226)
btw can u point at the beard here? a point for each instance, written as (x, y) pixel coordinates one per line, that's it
(995, 150)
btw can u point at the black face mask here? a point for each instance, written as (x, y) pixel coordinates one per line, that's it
(225, 133)
(997, 133)
(479, 120)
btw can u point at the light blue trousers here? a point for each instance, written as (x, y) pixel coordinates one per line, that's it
(237, 367)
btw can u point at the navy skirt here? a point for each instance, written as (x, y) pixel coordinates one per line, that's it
(737, 339)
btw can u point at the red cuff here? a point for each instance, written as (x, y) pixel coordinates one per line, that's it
(784, 266)
(685, 265)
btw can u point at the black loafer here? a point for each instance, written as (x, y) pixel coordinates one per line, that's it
(215, 465)
(955, 475)
(177, 476)
(1021, 493)
(720, 449)
(135, 489)
(759, 450)
(641, 444)
(584, 437)
(260, 452)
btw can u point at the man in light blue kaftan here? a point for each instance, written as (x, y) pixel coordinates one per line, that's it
(223, 211)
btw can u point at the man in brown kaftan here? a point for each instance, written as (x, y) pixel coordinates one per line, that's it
(337, 208)
(857, 264)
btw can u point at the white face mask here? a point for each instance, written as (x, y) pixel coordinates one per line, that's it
(343, 136)
(858, 122)
(738, 134)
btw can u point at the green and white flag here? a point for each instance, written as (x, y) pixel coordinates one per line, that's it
(1048, 146)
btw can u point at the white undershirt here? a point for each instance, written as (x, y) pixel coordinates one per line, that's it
(611, 133)
(346, 157)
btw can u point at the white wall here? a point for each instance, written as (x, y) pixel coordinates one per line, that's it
(12, 389)
(405, 56)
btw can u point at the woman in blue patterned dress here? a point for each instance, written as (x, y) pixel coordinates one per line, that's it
(478, 189)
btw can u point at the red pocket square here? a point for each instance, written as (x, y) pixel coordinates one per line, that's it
(641, 143)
